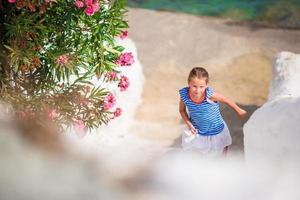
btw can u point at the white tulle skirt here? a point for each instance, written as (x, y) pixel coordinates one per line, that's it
(213, 144)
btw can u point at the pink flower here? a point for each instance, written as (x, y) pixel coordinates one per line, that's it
(79, 4)
(109, 101)
(88, 2)
(80, 129)
(107, 106)
(112, 76)
(62, 60)
(118, 112)
(124, 34)
(124, 83)
(89, 10)
(92, 7)
(125, 59)
(110, 98)
(96, 6)
(12, 1)
(52, 114)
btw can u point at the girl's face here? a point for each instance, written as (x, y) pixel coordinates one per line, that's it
(197, 86)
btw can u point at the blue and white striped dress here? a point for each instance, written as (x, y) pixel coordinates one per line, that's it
(213, 134)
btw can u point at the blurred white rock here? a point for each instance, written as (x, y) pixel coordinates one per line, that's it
(286, 76)
(272, 132)
(27, 173)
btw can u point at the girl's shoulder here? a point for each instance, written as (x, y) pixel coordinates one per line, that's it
(184, 90)
(209, 92)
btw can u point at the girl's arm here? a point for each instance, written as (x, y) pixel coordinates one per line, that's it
(220, 98)
(185, 117)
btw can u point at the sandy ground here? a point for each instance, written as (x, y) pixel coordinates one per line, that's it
(238, 58)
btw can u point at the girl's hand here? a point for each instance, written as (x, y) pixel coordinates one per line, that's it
(192, 129)
(241, 113)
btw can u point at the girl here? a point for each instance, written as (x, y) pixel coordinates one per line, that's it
(208, 133)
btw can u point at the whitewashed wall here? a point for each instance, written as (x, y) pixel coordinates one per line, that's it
(272, 133)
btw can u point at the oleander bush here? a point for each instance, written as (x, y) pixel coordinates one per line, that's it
(50, 51)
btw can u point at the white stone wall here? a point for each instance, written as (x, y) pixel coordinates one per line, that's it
(286, 76)
(272, 133)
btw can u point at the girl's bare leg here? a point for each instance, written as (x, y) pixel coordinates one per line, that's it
(225, 151)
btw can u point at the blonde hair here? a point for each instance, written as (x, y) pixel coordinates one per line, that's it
(198, 72)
